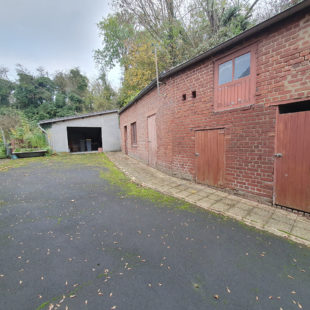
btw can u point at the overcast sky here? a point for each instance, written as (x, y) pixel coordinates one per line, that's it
(54, 34)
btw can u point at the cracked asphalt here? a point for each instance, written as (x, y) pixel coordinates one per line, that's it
(69, 239)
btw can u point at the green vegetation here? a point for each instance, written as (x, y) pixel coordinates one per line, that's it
(178, 30)
(19, 132)
(40, 96)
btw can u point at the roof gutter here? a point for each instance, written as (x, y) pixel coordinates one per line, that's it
(229, 43)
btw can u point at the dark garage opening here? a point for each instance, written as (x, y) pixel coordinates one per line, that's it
(84, 139)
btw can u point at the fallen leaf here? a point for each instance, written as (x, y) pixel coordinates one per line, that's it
(111, 294)
(299, 305)
(50, 307)
(270, 297)
(293, 292)
(86, 302)
(20, 282)
(72, 296)
(114, 307)
(227, 289)
(216, 296)
(291, 277)
(160, 284)
(256, 298)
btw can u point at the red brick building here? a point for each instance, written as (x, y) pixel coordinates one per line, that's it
(236, 116)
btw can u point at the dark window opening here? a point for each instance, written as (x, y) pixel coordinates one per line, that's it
(294, 107)
(134, 133)
(194, 94)
(184, 97)
(84, 139)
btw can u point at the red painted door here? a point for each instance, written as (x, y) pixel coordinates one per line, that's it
(152, 140)
(292, 161)
(209, 151)
(125, 140)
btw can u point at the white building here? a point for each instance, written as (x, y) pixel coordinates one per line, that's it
(88, 132)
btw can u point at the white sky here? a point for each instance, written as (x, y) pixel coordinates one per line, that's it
(54, 34)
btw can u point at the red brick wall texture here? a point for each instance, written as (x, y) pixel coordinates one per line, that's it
(282, 76)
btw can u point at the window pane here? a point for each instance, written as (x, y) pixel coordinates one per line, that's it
(242, 66)
(225, 72)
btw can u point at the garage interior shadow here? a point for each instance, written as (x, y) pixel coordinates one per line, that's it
(84, 139)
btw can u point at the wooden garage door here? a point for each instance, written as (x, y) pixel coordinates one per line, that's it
(209, 151)
(292, 160)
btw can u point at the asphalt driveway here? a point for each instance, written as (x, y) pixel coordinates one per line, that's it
(75, 234)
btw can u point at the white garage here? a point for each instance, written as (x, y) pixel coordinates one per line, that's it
(84, 133)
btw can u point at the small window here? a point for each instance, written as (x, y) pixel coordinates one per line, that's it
(134, 133)
(242, 66)
(225, 72)
(194, 94)
(184, 97)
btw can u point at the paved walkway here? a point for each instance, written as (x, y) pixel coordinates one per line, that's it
(279, 222)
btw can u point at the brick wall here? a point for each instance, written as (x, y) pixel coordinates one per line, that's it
(282, 76)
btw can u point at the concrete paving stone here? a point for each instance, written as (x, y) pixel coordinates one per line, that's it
(173, 190)
(203, 193)
(301, 233)
(182, 194)
(243, 206)
(233, 197)
(215, 197)
(193, 198)
(302, 225)
(229, 201)
(220, 206)
(279, 225)
(283, 216)
(222, 194)
(205, 203)
(259, 216)
(237, 212)
(304, 221)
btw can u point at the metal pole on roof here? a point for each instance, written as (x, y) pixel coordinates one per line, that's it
(156, 65)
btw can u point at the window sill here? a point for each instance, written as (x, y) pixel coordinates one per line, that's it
(134, 145)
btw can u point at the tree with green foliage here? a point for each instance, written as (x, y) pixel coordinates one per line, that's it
(179, 30)
(6, 88)
(117, 32)
(101, 95)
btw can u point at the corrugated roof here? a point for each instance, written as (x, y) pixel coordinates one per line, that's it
(225, 45)
(68, 118)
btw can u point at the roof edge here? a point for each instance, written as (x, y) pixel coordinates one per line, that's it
(200, 57)
(73, 117)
